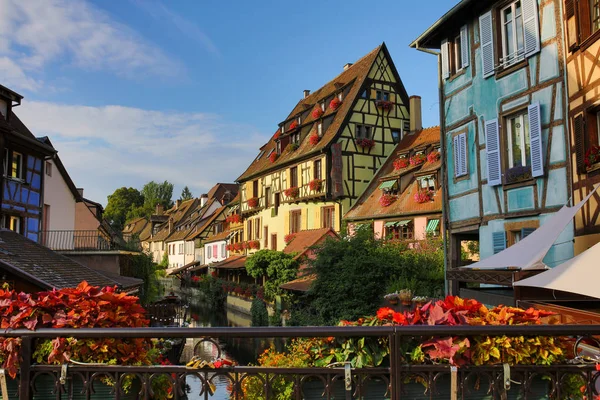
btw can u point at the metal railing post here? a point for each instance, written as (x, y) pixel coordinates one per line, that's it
(25, 369)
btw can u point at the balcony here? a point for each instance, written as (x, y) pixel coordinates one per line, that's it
(91, 240)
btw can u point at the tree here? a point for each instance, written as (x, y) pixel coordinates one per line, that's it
(186, 194)
(157, 193)
(120, 204)
(278, 267)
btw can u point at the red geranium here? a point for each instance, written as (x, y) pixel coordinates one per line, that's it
(317, 112)
(384, 104)
(234, 219)
(315, 185)
(385, 313)
(273, 157)
(237, 246)
(254, 244)
(195, 278)
(294, 125)
(314, 139)
(289, 237)
(277, 134)
(253, 202)
(433, 156)
(366, 143)
(292, 192)
(386, 199)
(417, 159)
(423, 196)
(592, 156)
(400, 163)
(335, 103)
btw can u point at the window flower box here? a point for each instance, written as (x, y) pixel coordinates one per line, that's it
(417, 159)
(292, 192)
(294, 125)
(401, 163)
(433, 156)
(234, 219)
(254, 244)
(423, 196)
(335, 103)
(273, 157)
(518, 174)
(253, 202)
(317, 112)
(385, 105)
(238, 247)
(592, 156)
(316, 185)
(289, 237)
(314, 139)
(386, 199)
(365, 143)
(277, 134)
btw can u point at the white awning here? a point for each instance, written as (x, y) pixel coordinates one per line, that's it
(574, 276)
(530, 251)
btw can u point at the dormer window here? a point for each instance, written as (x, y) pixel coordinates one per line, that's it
(323, 106)
(427, 182)
(320, 129)
(260, 155)
(299, 120)
(363, 132)
(295, 138)
(340, 96)
(283, 128)
(278, 148)
(383, 95)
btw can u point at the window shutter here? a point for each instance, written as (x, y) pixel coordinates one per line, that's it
(526, 232)
(457, 169)
(445, 60)
(464, 46)
(498, 241)
(535, 132)
(578, 132)
(531, 27)
(462, 145)
(492, 138)
(487, 44)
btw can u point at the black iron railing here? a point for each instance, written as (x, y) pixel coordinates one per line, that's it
(440, 381)
(84, 240)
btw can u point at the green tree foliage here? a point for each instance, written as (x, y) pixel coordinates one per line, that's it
(122, 202)
(260, 315)
(276, 266)
(141, 266)
(186, 194)
(158, 193)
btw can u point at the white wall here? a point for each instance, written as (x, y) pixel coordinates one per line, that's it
(220, 255)
(61, 201)
(177, 259)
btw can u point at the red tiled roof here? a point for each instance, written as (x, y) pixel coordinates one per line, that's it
(351, 80)
(301, 284)
(219, 236)
(303, 240)
(368, 207)
(233, 262)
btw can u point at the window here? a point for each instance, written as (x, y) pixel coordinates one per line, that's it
(294, 177)
(400, 230)
(519, 141)
(257, 223)
(209, 251)
(320, 129)
(215, 251)
(295, 138)
(382, 95)
(433, 227)
(12, 222)
(250, 231)
(323, 106)
(48, 168)
(223, 250)
(295, 221)
(317, 169)
(13, 164)
(278, 148)
(583, 20)
(455, 53)
(181, 248)
(328, 217)
(267, 197)
(595, 14)
(512, 33)
(218, 228)
(277, 201)
(255, 188)
(428, 182)
(340, 96)
(274, 242)
(266, 237)
(363, 132)
(396, 136)
(586, 129)
(365, 94)
(460, 155)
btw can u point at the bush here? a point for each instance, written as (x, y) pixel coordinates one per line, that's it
(260, 315)
(277, 266)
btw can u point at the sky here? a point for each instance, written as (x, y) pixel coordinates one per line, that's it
(131, 91)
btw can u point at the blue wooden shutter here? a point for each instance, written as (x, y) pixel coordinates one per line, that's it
(531, 27)
(445, 59)
(462, 146)
(464, 46)
(498, 241)
(535, 133)
(486, 37)
(494, 164)
(526, 232)
(456, 154)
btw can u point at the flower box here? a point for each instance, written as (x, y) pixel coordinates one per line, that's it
(253, 202)
(292, 192)
(592, 156)
(384, 104)
(316, 185)
(401, 163)
(417, 159)
(314, 139)
(277, 134)
(423, 196)
(273, 157)
(335, 103)
(433, 156)
(289, 237)
(317, 112)
(234, 219)
(294, 125)
(518, 174)
(365, 143)
(254, 244)
(386, 199)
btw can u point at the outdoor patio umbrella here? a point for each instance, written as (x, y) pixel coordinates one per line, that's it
(530, 251)
(574, 276)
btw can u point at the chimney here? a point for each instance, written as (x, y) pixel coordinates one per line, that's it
(160, 209)
(203, 200)
(177, 204)
(348, 65)
(80, 191)
(306, 93)
(416, 123)
(170, 225)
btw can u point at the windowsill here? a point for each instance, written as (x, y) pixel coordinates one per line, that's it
(20, 180)
(518, 184)
(594, 167)
(504, 71)
(458, 73)
(590, 40)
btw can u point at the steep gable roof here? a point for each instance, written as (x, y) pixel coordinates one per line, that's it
(350, 81)
(304, 240)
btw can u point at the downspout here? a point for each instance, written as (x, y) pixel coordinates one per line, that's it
(443, 167)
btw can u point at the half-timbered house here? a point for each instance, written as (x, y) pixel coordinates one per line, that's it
(504, 132)
(325, 152)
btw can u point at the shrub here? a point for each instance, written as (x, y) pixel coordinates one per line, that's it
(260, 315)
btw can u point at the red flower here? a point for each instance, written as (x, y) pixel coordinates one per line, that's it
(289, 237)
(234, 219)
(366, 143)
(423, 196)
(314, 139)
(417, 159)
(277, 134)
(597, 367)
(254, 244)
(273, 157)
(592, 156)
(315, 185)
(294, 125)
(253, 202)
(335, 103)
(385, 313)
(317, 112)
(433, 156)
(386, 199)
(400, 163)
(292, 192)
(399, 318)
(195, 278)
(384, 104)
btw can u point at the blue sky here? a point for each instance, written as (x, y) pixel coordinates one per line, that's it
(137, 90)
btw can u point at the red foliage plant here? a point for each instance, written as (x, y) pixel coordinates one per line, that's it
(292, 192)
(289, 237)
(314, 139)
(365, 143)
(254, 244)
(335, 103)
(316, 185)
(253, 202)
(400, 163)
(317, 112)
(237, 247)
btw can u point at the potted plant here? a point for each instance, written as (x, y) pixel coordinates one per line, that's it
(365, 143)
(417, 159)
(433, 156)
(292, 192)
(401, 162)
(317, 112)
(392, 298)
(420, 300)
(316, 185)
(405, 296)
(314, 139)
(335, 104)
(253, 202)
(384, 104)
(386, 199)
(423, 196)
(273, 157)
(592, 156)
(293, 125)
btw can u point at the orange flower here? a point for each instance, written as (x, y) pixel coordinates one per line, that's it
(399, 318)
(385, 313)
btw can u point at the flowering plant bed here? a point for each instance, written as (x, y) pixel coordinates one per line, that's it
(253, 202)
(294, 125)
(317, 112)
(423, 196)
(335, 103)
(592, 156)
(365, 143)
(316, 185)
(384, 104)
(289, 237)
(433, 156)
(418, 159)
(234, 219)
(273, 157)
(314, 138)
(292, 192)
(386, 199)
(400, 163)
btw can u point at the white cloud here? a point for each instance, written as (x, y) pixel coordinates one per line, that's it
(35, 33)
(107, 147)
(14, 77)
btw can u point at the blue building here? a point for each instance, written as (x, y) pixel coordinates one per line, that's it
(503, 111)
(23, 162)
